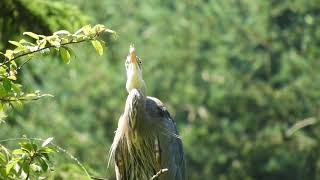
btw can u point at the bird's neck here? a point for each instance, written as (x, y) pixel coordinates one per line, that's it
(135, 107)
(135, 80)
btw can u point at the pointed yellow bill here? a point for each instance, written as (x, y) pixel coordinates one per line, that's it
(133, 56)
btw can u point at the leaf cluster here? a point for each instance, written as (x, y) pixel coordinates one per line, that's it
(10, 91)
(31, 159)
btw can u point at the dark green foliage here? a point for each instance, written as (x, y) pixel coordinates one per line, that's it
(41, 16)
(29, 161)
(236, 75)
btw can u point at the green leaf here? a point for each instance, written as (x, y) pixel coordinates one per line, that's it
(42, 43)
(47, 141)
(12, 77)
(3, 91)
(2, 70)
(46, 95)
(25, 166)
(17, 151)
(86, 29)
(35, 167)
(2, 158)
(9, 54)
(98, 28)
(11, 164)
(54, 40)
(31, 34)
(20, 49)
(110, 31)
(15, 102)
(43, 163)
(13, 65)
(16, 88)
(47, 150)
(62, 32)
(98, 46)
(28, 147)
(7, 84)
(65, 55)
(70, 50)
(16, 43)
(26, 43)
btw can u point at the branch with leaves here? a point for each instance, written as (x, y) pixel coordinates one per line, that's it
(32, 160)
(29, 160)
(10, 91)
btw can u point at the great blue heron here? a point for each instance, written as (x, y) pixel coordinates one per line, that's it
(146, 141)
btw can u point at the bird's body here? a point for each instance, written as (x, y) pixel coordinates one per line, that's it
(146, 140)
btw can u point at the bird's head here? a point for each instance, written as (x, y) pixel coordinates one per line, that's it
(134, 71)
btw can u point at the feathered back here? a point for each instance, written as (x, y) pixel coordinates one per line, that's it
(134, 140)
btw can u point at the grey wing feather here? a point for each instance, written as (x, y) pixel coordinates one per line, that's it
(171, 149)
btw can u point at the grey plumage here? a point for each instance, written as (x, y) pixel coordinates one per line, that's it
(146, 141)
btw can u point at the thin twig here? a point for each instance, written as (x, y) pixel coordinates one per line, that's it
(24, 63)
(98, 178)
(19, 99)
(300, 125)
(159, 173)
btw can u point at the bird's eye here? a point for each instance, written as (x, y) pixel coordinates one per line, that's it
(139, 60)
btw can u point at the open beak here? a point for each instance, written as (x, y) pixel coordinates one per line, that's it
(132, 54)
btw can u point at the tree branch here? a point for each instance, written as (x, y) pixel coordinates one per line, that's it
(97, 178)
(23, 63)
(19, 99)
(48, 47)
(299, 125)
(159, 173)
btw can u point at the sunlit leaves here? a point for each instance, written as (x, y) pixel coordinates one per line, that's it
(58, 39)
(9, 54)
(16, 43)
(10, 165)
(62, 32)
(29, 158)
(31, 34)
(7, 84)
(54, 40)
(9, 90)
(86, 29)
(65, 55)
(97, 46)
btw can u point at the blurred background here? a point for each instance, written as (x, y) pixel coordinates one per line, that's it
(237, 76)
